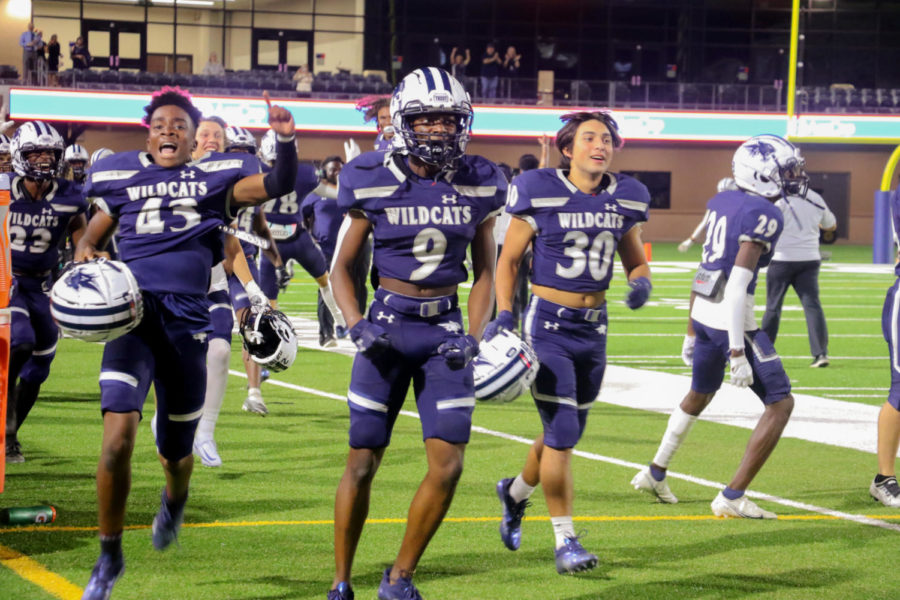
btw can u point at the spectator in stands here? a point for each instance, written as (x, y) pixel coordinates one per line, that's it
(54, 60)
(511, 65)
(213, 66)
(31, 43)
(81, 58)
(490, 71)
(304, 79)
(458, 63)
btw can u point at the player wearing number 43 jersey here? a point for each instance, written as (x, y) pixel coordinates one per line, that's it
(743, 226)
(576, 218)
(425, 203)
(44, 209)
(168, 210)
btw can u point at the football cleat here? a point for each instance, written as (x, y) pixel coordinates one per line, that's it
(511, 522)
(208, 452)
(165, 524)
(254, 403)
(402, 590)
(343, 591)
(572, 557)
(887, 492)
(104, 576)
(264, 374)
(644, 482)
(741, 508)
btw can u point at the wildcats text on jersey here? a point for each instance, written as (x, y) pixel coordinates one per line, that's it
(174, 189)
(423, 215)
(582, 220)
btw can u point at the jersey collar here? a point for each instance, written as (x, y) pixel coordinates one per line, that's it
(608, 183)
(19, 193)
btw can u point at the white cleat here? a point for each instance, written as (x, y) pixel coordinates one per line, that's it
(208, 452)
(887, 492)
(644, 482)
(742, 508)
(254, 403)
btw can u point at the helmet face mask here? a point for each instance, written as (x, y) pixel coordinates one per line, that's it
(36, 138)
(431, 92)
(771, 167)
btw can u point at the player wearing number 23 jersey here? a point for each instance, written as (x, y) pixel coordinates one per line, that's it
(743, 226)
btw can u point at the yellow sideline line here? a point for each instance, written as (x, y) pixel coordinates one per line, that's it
(400, 521)
(29, 569)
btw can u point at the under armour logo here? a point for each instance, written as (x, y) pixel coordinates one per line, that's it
(448, 199)
(200, 337)
(46, 211)
(451, 326)
(610, 206)
(188, 174)
(602, 330)
(382, 316)
(551, 325)
(78, 279)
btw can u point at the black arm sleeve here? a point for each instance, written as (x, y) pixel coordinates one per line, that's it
(280, 180)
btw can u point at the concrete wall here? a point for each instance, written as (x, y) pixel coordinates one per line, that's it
(695, 171)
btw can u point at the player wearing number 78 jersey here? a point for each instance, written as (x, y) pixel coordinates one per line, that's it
(743, 226)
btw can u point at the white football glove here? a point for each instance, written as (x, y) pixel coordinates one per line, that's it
(255, 295)
(687, 350)
(741, 373)
(351, 149)
(685, 245)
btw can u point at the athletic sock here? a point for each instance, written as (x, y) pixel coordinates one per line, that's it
(732, 494)
(519, 490)
(657, 473)
(111, 544)
(216, 381)
(563, 529)
(679, 426)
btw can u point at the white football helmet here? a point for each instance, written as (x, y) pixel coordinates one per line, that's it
(74, 155)
(770, 166)
(269, 338)
(35, 136)
(504, 368)
(5, 155)
(239, 139)
(99, 154)
(267, 149)
(431, 91)
(96, 301)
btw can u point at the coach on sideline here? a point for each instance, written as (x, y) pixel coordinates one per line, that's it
(796, 263)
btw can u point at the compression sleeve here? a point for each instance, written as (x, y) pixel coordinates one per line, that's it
(280, 180)
(735, 301)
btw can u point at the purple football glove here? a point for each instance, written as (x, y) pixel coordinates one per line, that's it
(458, 351)
(505, 320)
(640, 292)
(370, 339)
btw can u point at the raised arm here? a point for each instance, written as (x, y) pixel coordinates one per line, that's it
(259, 188)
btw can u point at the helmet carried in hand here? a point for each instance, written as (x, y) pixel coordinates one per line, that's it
(504, 368)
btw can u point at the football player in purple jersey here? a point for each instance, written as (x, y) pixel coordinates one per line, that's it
(576, 218)
(425, 202)
(378, 109)
(742, 226)
(44, 209)
(168, 210)
(251, 220)
(5, 156)
(884, 487)
(322, 217)
(291, 236)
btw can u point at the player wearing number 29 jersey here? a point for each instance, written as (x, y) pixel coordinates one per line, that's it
(743, 227)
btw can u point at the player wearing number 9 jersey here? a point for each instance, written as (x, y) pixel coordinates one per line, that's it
(44, 209)
(576, 218)
(168, 210)
(743, 227)
(425, 203)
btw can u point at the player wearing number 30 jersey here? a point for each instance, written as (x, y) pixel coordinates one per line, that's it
(743, 226)
(577, 218)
